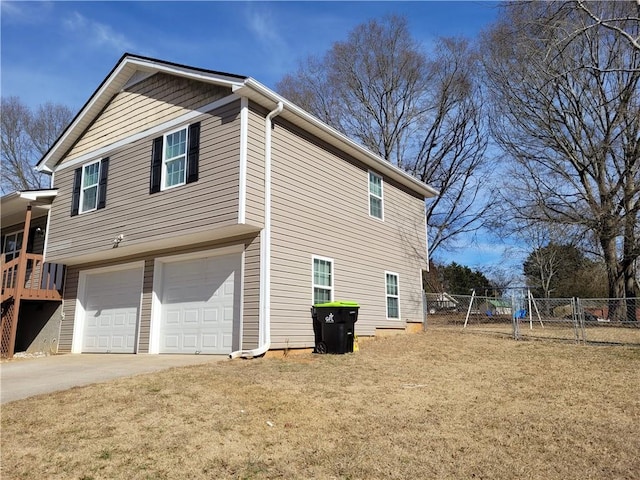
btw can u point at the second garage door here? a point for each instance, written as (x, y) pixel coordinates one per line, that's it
(199, 304)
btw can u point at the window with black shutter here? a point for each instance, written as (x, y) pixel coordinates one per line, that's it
(90, 187)
(174, 158)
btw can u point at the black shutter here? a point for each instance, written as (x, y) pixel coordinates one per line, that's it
(193, 153)
(156, 165)
(102, 183)
(75, 200)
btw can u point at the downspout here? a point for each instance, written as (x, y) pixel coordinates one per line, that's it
(264, 332)
(425, 307)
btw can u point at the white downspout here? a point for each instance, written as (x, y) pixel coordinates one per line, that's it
(264, 332)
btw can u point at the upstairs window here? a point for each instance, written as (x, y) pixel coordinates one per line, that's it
(174, 163)
(89, 192)
(322, 280)
(174, 158)
(375, 195)
(90, 187)
(393, 295)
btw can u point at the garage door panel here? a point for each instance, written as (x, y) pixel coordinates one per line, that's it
(210, 341)
(210, 315)
(112, 306)
(198, 304)
(171, 342)
(190, 341)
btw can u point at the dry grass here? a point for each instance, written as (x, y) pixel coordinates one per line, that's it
(435, 405)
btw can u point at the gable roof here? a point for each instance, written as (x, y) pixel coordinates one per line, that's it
(131, 66)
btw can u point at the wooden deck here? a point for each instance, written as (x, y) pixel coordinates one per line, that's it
(26, 277)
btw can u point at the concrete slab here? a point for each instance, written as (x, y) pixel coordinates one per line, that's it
(24, 378)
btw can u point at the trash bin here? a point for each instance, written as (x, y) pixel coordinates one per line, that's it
(333, 326)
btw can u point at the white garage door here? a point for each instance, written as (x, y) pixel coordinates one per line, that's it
(199, 304)
(112, 306)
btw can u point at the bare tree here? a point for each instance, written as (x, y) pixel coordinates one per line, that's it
(618, 23)
(422, 114)
(25, 137)
(566, 111)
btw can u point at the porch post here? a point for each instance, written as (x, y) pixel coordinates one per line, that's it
(20, 282)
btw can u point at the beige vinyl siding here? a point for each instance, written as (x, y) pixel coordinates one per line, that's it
(255, 167)
(251, 282)
(68, 309)
(320, 206)
(144, 105)
(145, 307)
(209, 203)
(38, 240)
(251, 294)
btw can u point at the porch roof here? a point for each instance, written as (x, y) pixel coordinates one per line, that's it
(14, 205)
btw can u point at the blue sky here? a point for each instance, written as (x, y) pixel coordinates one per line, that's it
(61, 51)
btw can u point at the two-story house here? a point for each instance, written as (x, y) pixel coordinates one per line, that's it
(201, 212)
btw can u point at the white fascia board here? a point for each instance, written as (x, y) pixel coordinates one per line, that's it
(155, 67)
(38, 194)
(97, 100)
(347, 144)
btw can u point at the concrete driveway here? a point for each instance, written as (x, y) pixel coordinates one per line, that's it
(22, 378)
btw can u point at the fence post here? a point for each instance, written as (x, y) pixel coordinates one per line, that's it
(574, 317)
(515, 321)
(579, 315)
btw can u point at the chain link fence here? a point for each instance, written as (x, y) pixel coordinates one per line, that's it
(521, 316)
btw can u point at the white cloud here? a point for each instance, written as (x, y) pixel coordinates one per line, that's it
(265, 28)
(29, 13)
(97, 34)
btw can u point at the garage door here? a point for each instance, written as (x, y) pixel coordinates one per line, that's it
(112, 306)
(199, 304)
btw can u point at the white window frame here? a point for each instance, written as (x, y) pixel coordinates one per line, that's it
(15, 253)
(387, 296)
(83, 188)
(165, 160)
(313, 278)
(373, 195)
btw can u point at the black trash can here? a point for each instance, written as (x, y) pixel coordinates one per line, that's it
(333, 326)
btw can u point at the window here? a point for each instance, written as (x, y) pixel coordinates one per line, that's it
(174, 158)
(12, 245)
(393, 296)
(89, 192)
(322, 280)
(375, 195)
(174, 162)
(90, 187)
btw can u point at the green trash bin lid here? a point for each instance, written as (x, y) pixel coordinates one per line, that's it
(342, 303)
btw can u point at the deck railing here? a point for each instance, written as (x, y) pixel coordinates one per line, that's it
(43, 281)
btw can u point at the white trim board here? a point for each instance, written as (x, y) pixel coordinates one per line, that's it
(244, 135)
